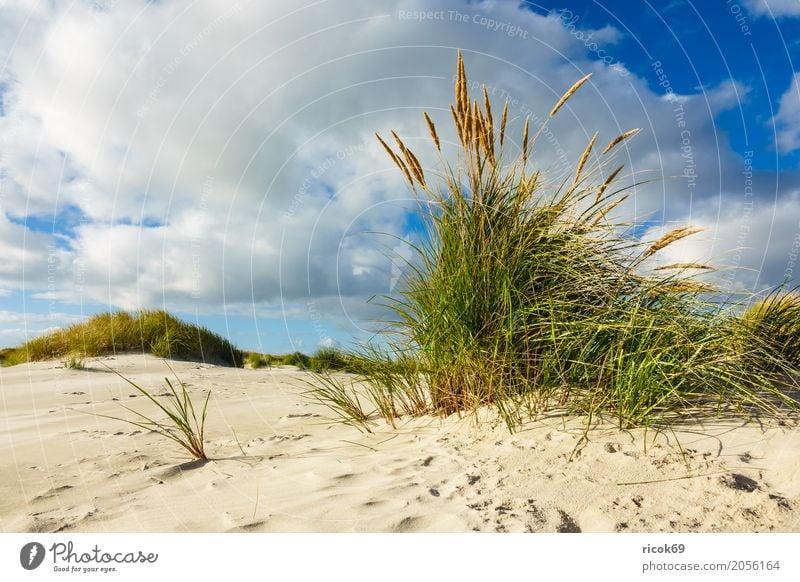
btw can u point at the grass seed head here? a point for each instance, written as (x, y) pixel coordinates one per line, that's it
(671, 237)
(432, 130)
(620, 138)
(570, 92)
(503, 124)
(585, 157)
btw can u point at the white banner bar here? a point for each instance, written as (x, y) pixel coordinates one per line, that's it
(399, 557)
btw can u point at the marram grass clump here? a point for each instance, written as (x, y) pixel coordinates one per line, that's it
(156, 332)
(774, 322)
(182, 424)
(75, 362)
(526, 296)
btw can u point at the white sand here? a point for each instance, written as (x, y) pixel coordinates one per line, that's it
(64, 470)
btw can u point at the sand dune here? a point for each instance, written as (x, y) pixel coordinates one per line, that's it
(64, 469)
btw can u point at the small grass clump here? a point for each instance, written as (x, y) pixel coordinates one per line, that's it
(298, 359)
(75, 362)
(156, 332)
(182, 425)
(527, 296)
(331, 359)
(256, 360)
(774, 322)
(4, 354)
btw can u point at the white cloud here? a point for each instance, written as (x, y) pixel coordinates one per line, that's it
(753, 247)
(224, 153)
(18, 327)
(775, 8)
(788, 129)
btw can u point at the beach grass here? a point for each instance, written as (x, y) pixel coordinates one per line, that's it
(147, 331)
(182, 424)
(528, 296)
(298, 359)
(332, 359)
(324, 359)
(257, 360)
(774, 321)
(75, 362)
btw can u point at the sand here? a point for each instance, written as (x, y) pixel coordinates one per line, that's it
(64, 469)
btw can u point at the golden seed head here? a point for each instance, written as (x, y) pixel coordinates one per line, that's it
(503, 124)
(611, 177)
(568, 94)
(462, 100)
(416, 167)
(682, 287)
(671, 237)
(458, 124)
(605, 211)
(619, 139)
(525, 141)
(488, 108)
(585, 157)
(398, 162)
(683, 266)
(432, 130)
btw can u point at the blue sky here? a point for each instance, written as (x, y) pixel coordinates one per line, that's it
(219, 160)
(703, 44)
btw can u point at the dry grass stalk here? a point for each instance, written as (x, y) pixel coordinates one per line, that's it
(432, 129)
(568, 94)
(669, 238)
(389, 151)
(619, 139)
(604, 212)
(484, 142)
(399, 142)
(457, 123)
(477, 124)
(682, 287)
(398, 162)
(487, 107)
(525, 142)
(585, 157)
(416, 167)
(503, 124)
(606, 184)
(462, 98)
(683, 266)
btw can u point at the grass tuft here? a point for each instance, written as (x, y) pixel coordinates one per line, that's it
(256, 360)
(182, 425)
(774, 323)
(298, 359)
(75, 362)
(156, 332)
(525, 296)
(331, 359)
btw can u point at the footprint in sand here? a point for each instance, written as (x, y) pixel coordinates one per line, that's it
(288, 437)
(739, 482)
(406, 524)
(567, 524)
(53, 492)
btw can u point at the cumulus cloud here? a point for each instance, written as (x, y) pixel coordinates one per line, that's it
(208, 155)
(16, 327)
(788, 130)
(774, 8)
(754, 245)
